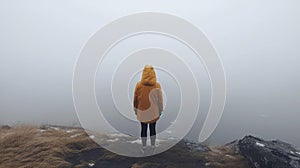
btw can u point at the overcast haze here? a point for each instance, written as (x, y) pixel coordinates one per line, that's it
(258, 42)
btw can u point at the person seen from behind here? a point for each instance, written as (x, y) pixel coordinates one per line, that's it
(148, 104)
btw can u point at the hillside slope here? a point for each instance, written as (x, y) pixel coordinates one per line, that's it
(50, 146)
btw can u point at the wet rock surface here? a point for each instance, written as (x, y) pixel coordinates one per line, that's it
(268, 154)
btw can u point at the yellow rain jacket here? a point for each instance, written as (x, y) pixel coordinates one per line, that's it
(148, 101)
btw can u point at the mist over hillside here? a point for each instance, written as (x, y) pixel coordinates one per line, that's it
(256, 41)
(40, 43)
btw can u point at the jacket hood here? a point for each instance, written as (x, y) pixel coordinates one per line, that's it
(148, 76)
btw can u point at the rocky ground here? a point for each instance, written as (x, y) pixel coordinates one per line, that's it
(53, 146)
(268, 154)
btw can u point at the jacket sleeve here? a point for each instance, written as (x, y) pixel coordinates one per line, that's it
(160, 98)
(135, 98)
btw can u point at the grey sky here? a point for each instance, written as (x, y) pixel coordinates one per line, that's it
(258, 42)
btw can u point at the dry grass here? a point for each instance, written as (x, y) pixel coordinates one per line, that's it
(29, 146)
(224, 157)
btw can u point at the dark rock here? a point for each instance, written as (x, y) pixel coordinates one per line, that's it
(5, 127)
(193, 146)
(43, 127)
(268, 154)
(84, 156)
(178, 156)
(234, 145)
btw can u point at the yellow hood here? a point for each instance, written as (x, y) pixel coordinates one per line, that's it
(148, 77)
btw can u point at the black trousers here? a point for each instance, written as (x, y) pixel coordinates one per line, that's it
(144, 129)
(144, 133)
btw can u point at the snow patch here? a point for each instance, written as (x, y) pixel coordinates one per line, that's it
(42, 130)
(172, 138)
(298, 153)
(92, 136)
(139, 141)
(55, 128)
(113, 140)
(260, 144)
(114, 135)
(70, 131)
(91, 164)
(207, 164)
(168, 132)
(75, 135)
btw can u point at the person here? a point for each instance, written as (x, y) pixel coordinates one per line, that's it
(148, 104)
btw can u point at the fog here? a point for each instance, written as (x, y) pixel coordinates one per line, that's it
(258, 42)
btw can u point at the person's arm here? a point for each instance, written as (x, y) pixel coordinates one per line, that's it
(135, 98)
(160, 99)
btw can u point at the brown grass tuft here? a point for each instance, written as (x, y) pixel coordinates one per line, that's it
(30, 146)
